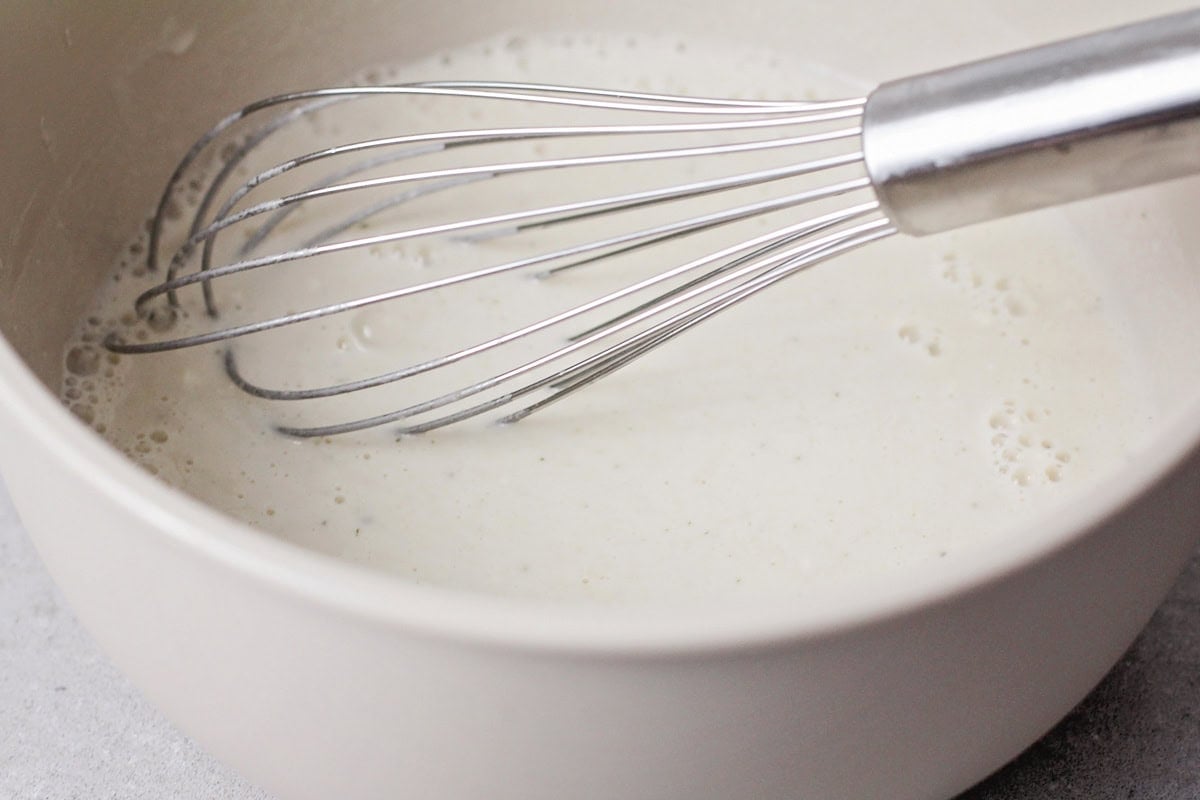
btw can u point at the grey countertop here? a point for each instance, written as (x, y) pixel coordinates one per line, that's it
(72, 728)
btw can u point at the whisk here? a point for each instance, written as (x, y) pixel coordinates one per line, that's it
(1096, 114)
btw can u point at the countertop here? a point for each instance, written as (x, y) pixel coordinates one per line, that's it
(72, 728)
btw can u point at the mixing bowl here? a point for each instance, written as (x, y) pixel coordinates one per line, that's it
(317, 678)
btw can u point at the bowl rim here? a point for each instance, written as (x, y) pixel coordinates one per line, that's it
(380, 598)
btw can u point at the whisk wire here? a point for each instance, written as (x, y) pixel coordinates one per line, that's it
(224, 221)
(761, 244)
(572, 212)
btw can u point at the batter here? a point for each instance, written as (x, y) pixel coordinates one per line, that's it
(900, 405)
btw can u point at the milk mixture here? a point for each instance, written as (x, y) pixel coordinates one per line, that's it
(903, 404)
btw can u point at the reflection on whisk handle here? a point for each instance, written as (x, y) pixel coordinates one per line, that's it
(1096, 114)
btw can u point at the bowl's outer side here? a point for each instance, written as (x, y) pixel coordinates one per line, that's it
(314, 702)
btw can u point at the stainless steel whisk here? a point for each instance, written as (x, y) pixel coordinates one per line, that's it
(1096, 114)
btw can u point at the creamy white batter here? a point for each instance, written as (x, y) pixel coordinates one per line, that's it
(902, 404)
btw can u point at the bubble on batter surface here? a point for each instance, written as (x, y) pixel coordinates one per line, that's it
(1022, 448)
(83, 360)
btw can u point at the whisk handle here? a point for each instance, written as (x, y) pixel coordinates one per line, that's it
(1040, 127)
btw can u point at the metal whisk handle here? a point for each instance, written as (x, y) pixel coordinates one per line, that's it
(1066, 121)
